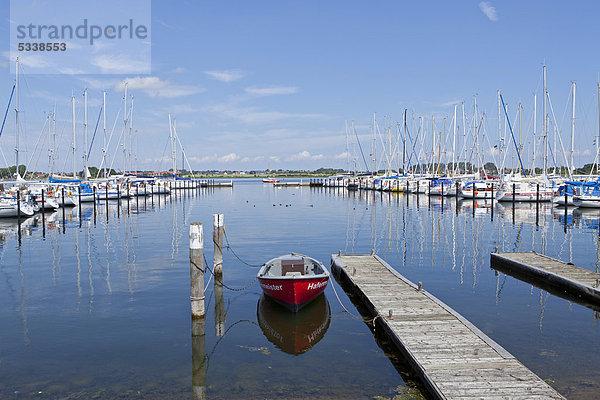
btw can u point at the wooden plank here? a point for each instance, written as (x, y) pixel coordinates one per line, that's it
(454, 359)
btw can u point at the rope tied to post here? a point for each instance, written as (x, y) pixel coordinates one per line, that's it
(234, 253)
(219, 281)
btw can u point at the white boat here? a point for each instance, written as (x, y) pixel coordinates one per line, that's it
(478, 190)
(419, 186)
(524, 189)
(586, 201)
(10, 209)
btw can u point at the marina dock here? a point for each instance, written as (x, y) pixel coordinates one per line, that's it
(452, 357)
(291, 184)
(562, 279)
(213, 183)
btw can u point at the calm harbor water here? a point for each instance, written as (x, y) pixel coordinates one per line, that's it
(98, 306)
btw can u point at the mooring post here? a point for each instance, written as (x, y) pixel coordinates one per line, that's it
(198, 359)
(566, 198)
(492, 197)
(220, 317)
(514, 194)
(119, 201)
(19, 205)
(43, 216)
(197, 269)
(218, 229)
(63, 209)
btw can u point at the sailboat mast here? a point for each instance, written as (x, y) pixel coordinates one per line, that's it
(464, 135)
(85, 135)
(373, 147)
(598, 138)
(130, 134)
(390, 150)
(104, 129)
(173, 154)
(54, 137)
(500, 138)
(475, 130)
(49, 118)
(545, 127)
(454, 144)
(432, 143)
(73, 142)
(520, 127)
(124, 129)
(534, 128)
(404, 145)
(17, 117)
(573, 130)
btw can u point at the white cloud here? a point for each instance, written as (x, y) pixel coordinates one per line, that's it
(488, 10)
(250, 115)
(228, 158)
(175, 91)
(98, 83)
(210, 158)
(179, 70)
(120, 64)
(274, 159)
(251, 159)
(450, 103)
(273, 90)
(228, 75)
(305, 155)
(149, 82)
(155, 87)
(31, 60)
(342, 156)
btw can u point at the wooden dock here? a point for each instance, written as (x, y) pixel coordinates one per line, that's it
(291, 184)
(453, 358)
(211, 183)
(557, 277)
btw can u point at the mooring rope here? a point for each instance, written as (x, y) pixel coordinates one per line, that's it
(221, 282)
(341, 304)
(234, 253)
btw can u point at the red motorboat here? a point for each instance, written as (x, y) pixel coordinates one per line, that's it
(293, 280)
(270, 180)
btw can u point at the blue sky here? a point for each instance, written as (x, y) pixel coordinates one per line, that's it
(270, 84)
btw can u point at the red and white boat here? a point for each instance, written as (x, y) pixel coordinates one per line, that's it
(293, 280)
(270, 180)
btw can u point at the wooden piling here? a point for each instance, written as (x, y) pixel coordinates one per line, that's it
(492, 197)
(197, 269)
(218, 231)
(220, 317)
(19, 205)
(198, 359)
(43, 216)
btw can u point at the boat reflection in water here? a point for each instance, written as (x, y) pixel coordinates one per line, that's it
(294, 332)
